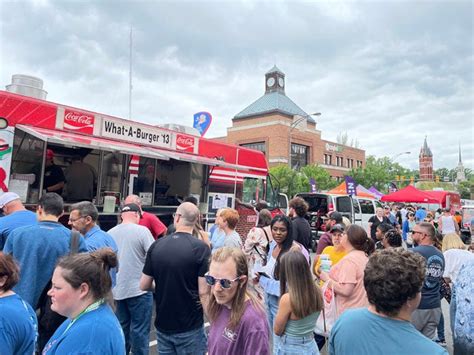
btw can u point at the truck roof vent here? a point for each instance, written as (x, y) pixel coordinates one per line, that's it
(181, 128)
(27, 85)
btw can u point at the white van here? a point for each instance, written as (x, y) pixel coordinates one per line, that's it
(357, 209)
(364, 208)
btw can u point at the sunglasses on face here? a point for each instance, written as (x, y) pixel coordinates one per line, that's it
(225, 283)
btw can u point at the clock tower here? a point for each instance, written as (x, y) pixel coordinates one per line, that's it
(426, 163)
(275, 81)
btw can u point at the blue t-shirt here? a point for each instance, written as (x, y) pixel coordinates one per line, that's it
(359, 331)
(430, 296)
(95, 332)
(217, 239)
(13, 221)
(420, 214)
(95, 239)
(37, 249)
(18, 326)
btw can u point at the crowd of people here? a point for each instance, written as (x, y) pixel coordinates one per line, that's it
(84, 290)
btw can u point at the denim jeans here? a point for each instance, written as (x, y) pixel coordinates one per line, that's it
(193, 342)
(134, 315)
(271, 302)
(441, 336)
(296, 345)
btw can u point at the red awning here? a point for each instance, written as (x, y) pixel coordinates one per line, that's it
(410, 194)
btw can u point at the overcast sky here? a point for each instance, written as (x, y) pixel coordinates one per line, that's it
(387, 72)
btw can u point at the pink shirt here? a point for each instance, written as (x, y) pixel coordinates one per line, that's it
(350, 270)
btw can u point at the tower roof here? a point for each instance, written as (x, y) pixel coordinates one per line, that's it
(425, 150)
(273, 101)
(275, 69)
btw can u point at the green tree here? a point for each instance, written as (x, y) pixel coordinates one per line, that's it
(292, 182)
(379, 172)
(319, 174)
(466, 188)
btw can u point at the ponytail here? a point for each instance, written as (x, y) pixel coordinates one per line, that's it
(358, 238)
(92, 269)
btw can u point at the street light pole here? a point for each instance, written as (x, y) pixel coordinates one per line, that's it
(392, 159)
(292, 127)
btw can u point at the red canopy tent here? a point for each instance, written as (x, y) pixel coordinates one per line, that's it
(410, 194)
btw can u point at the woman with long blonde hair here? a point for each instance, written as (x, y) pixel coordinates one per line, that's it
(238, 320)
(299, 307)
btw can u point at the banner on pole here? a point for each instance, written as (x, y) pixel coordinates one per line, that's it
(350, 186)
(202, 121)
(392, 188)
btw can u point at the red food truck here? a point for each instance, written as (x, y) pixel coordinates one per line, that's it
(162, 166)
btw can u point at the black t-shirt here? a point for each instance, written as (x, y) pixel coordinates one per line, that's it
(53, 174)
(175, 262)
(375, 222)
(302, 231)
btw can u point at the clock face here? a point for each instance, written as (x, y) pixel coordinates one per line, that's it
(281, 82)
(271, 81)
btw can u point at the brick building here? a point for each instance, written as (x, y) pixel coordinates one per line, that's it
(274, 122)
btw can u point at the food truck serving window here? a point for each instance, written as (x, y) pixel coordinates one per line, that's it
(26, 166)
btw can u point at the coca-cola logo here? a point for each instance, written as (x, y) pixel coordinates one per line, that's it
(79, 118)
(78, 122)
(184, 143)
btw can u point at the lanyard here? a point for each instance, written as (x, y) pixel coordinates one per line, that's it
(90, 308)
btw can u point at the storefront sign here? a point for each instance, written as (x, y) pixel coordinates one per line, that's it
(333, 148)
(78, 122)
(136, 133)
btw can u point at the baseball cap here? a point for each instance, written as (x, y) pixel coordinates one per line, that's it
(337, 228)
(49, 153)
(336, 216)
(131, 207)
(8, 197)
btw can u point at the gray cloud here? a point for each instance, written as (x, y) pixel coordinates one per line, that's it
(388, 73)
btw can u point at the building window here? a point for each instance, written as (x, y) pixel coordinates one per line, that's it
(350, 163)
(257, 146)
(327, 159)
(359, 163)
(299, 156)
(339, 161)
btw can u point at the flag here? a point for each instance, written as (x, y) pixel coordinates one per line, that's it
(392, 188)
(202, 121)
(350, 186)
(312, 184)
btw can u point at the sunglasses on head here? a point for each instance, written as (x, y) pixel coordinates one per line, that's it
(225, 283)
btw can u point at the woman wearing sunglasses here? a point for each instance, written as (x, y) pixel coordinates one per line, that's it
(238, 321)
(269, 277)
(300, 304)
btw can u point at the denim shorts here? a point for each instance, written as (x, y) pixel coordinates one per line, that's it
(193, 342)
(296, 345)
